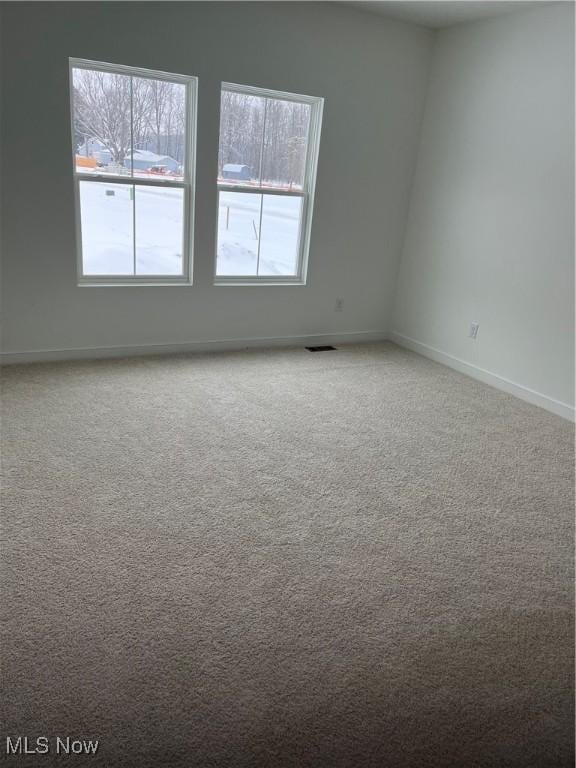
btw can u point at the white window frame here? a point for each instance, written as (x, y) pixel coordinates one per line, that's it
(187, 183)
(306, 194)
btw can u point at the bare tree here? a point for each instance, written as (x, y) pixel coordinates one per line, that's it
(160, 103)
(241, 130)
(268, 135)
(141, 105)
(103, 110)
(126, 113)
(176, 123)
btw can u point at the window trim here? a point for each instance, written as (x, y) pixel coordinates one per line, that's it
(188, 183)
(307, 193)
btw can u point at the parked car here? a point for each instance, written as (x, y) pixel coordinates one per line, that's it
(160, 170)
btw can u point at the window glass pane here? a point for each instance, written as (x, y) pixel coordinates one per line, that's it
(102, 127)
(238, 233)
(241, 136)
(263, 146)
(107, 223)
(133, 126)
(159, 116)
(285, 139)
(124, 123)
(258, 235)
(159, 230)
(279, 235)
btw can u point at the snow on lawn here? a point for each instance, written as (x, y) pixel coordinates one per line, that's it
(108, 230)
(239, 227)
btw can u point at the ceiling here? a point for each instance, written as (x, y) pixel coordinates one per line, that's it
(444, 13)
(428, 13)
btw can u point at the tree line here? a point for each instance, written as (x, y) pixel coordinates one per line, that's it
(266, 134)
(122, 111)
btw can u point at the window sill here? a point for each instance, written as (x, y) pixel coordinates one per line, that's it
(132, 283)
(235, 282)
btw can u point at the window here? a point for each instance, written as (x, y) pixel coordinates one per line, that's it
(133, 147)
(266, 175)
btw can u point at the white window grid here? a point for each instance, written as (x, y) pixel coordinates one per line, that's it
(186, 183)
(306, 193)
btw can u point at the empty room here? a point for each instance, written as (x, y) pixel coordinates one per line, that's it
(287, 429)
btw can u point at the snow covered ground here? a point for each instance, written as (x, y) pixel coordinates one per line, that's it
(109, 227)
(240, 232)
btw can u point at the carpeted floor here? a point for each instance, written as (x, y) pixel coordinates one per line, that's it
(278, 558)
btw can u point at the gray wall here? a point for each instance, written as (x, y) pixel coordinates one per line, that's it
(372, 73)
(491, 227)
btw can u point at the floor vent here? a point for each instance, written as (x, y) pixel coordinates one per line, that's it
(321, 349)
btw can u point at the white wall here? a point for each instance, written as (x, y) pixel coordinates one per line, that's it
(372, 73)
(1, 153)
(490, 233)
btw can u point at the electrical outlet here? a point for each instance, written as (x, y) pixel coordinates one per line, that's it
(473, 332)
(339, 305)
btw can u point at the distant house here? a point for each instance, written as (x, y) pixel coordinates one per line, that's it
(92, 147)
(142, 159)
(236, 171)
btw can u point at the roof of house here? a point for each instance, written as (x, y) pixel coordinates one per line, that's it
(150, 157)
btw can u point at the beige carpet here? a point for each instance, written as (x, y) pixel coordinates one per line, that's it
(346, 559)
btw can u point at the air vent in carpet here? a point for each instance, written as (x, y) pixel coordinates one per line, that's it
(321, 349)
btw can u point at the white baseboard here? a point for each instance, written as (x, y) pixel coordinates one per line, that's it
(487, 377)
(350, 337)
(219, 345)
